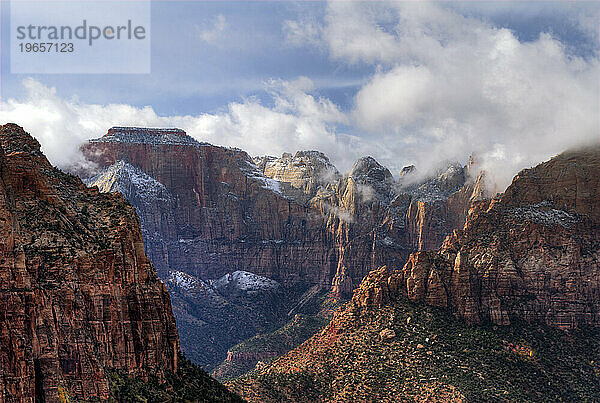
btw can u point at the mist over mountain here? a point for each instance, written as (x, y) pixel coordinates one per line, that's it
(305, 201)
(444, 83)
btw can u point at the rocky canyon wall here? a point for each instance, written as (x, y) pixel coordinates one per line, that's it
(78, 296)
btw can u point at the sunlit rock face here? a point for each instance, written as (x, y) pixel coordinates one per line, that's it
(305, 170)
(532, 254)
(78, 296)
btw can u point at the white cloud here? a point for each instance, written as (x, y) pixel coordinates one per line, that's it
(357, 36)
(302, 32)
(211, 32)
(298, 121)
(446, 85)
(443, 85)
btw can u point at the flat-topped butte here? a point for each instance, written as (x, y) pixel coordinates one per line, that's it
(147, 135)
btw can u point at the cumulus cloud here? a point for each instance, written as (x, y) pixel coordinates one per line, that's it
(53, 121)
(297, 121)
(211, 32)
(446, 85)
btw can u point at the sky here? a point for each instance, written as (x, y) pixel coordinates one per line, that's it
(406, 82)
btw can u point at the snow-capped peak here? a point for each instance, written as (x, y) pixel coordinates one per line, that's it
(129, 180)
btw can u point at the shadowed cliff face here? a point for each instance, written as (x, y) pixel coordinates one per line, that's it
(77, 293)
(224, 215)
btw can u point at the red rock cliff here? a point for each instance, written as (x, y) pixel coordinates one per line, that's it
(224, 215)
(533, 254)
(314, 226)
(77, 293)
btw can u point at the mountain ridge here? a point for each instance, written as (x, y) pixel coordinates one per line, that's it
(458, 323)
(226, 212)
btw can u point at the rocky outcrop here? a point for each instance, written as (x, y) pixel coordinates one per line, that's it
(532, 254)
(440, 204)
(155, 205)
(78, 296)
(378, 221)
(379, 287)
(242, 357)
(569, 181)
(383, 347)
(355, 209)
(305, 170)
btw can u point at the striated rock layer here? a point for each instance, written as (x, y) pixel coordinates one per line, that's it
(294, 219)
(222, 214)
(208, 211)
(532, 254)
(77, 293)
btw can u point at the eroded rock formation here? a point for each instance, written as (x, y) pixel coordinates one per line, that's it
(77, 293)
(532, 254)
(225, 214)
(295, 219)
(208, 211)
(306, 170)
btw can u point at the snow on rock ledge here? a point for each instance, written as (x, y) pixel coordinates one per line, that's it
(130, 181)
(246, 282)
(184, 280)
(143, 135)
